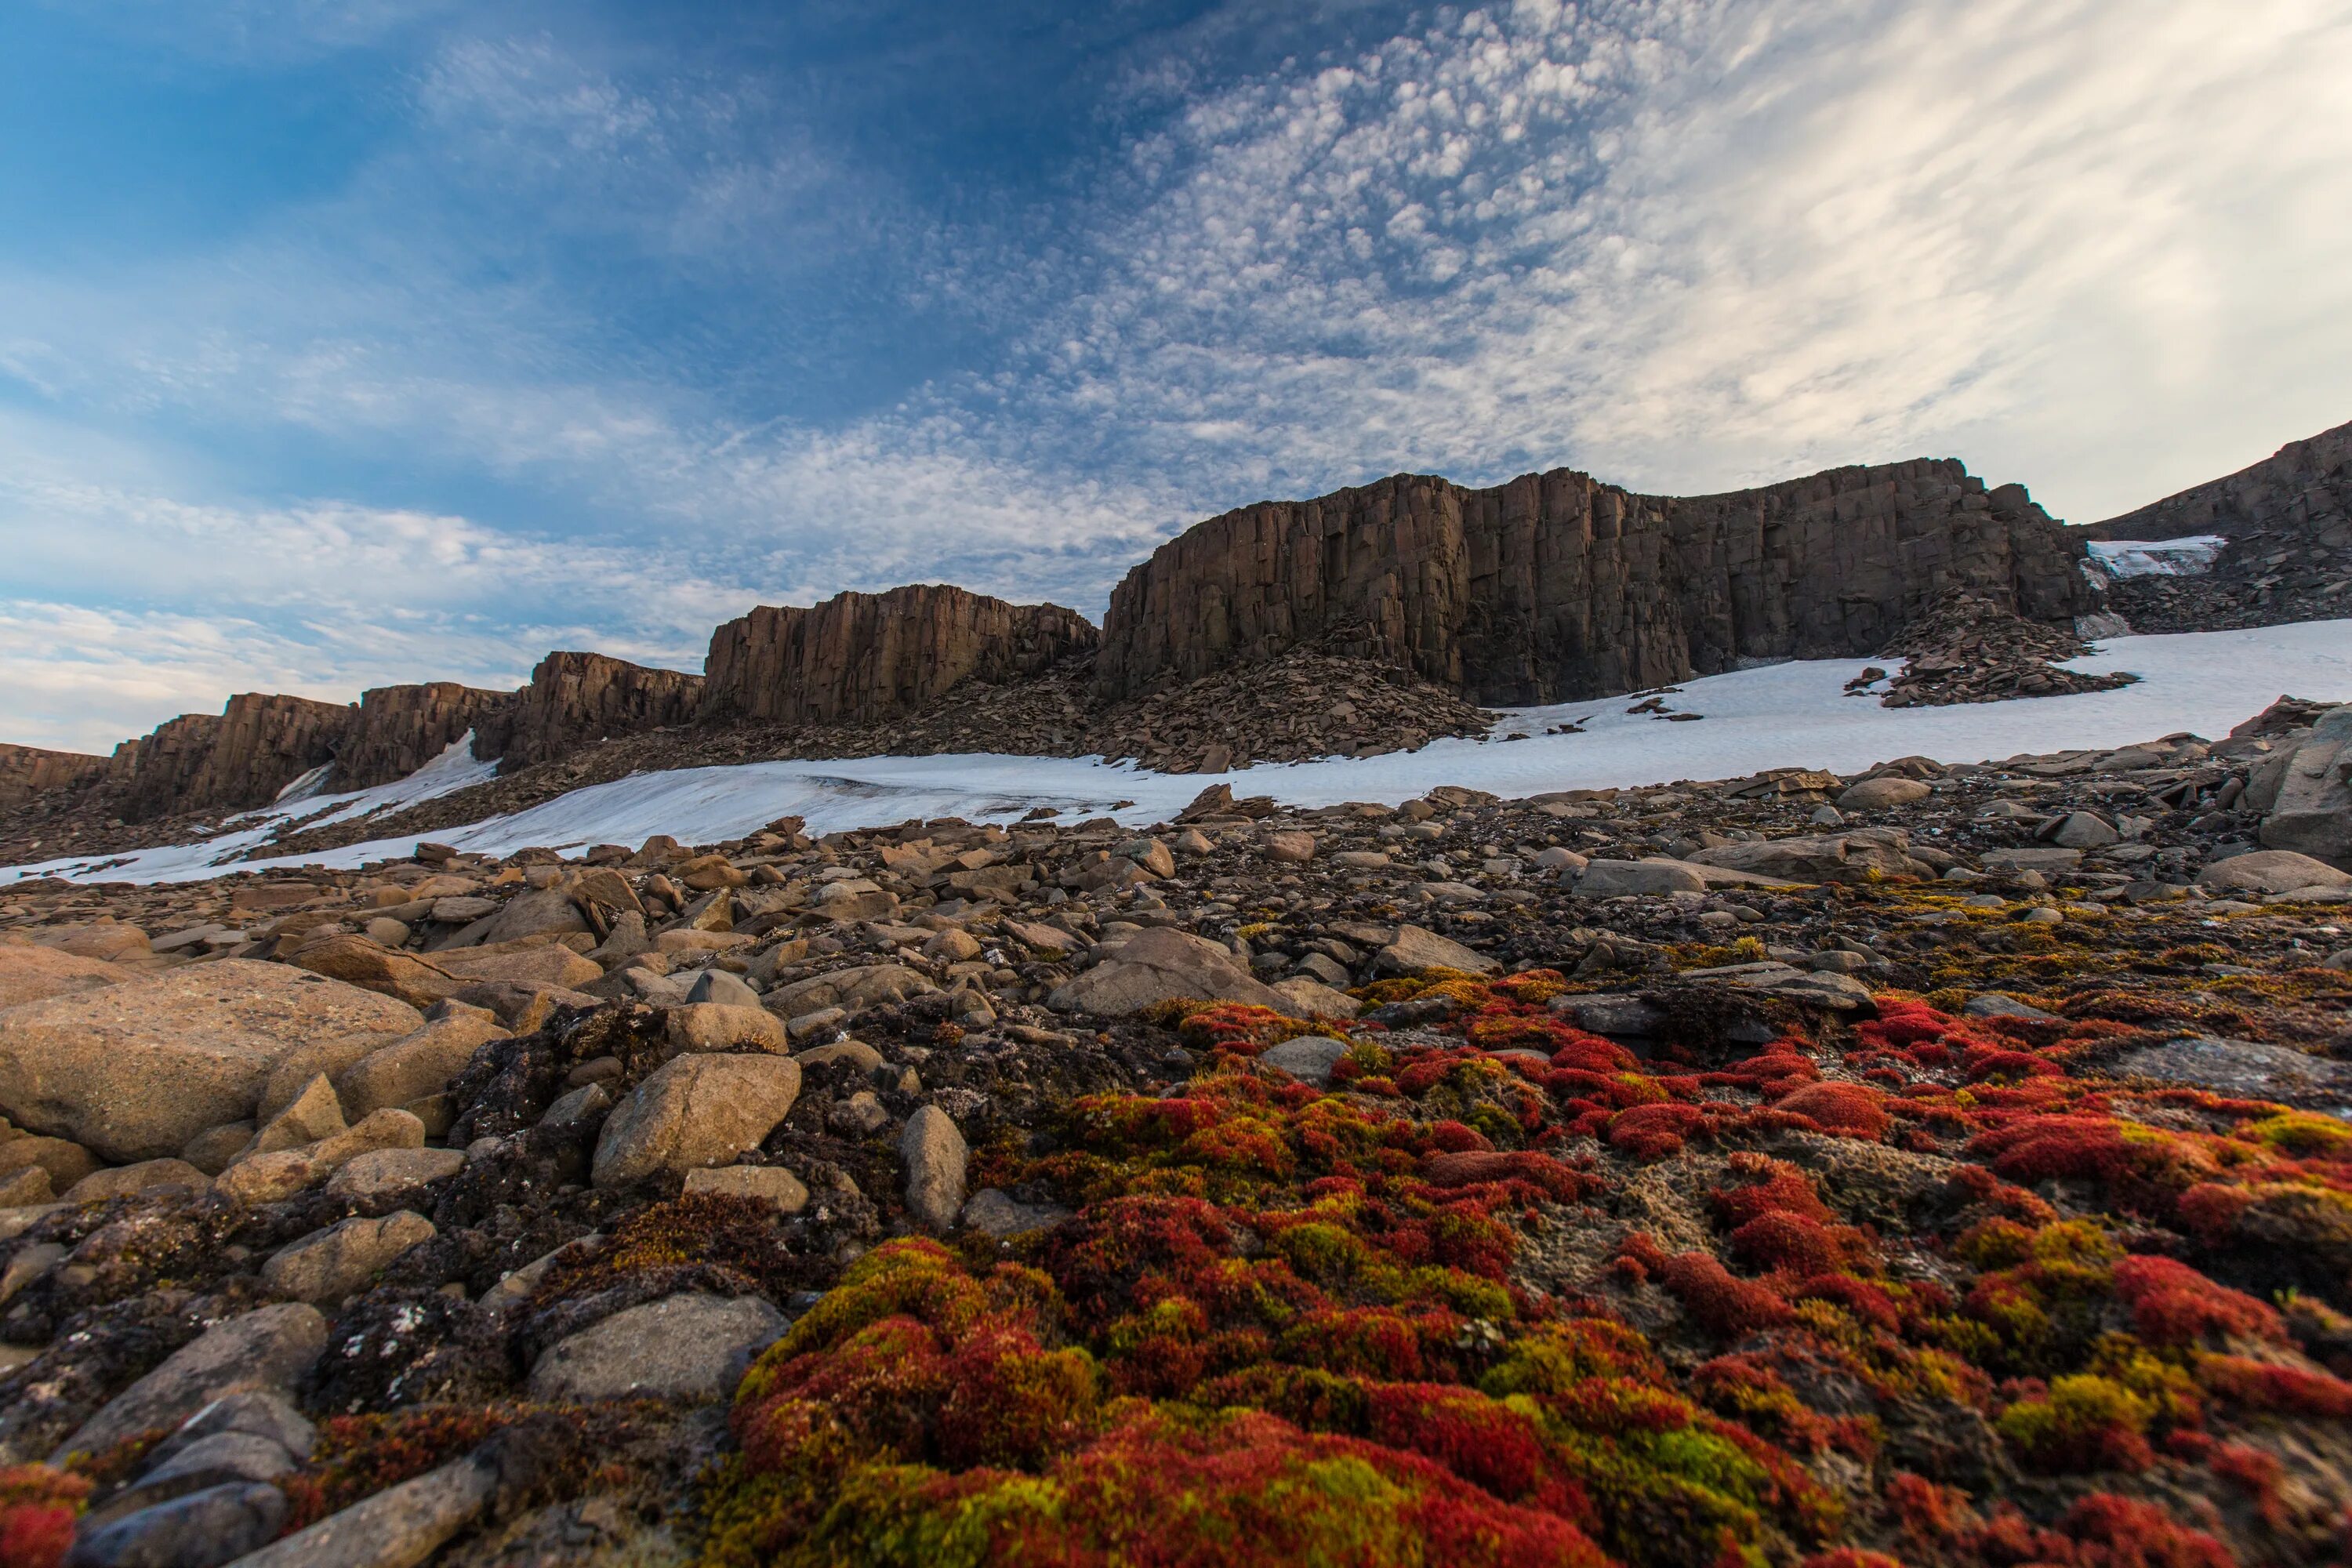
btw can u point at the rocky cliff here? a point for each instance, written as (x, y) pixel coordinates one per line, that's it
(241, 757)
(1557, 586)
(2305, 488)
(29, 772)
(575, 698)
(861, 656)
(399, 729)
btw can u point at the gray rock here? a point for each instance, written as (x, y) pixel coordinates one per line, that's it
(339, 1261)
(1993, 1004)
(1164, 965)
(2245, 1068)
(389, 1171)
(397, 1528)
(1309, 1059)
(993, 1213)
(1415, 949)
(202, 1530)
(266, 1349)
(2312, 813)
(2271, 871)
(934, 1152)
(1638, 878)
(772, 1184)
(2083, 830)
(1883, 794)
(578, 1110)
(2033, 859)
(1617, 1017)
(692, 1112)
(682, 1347)
(534, 913)
(259, 1412)
(727, 990)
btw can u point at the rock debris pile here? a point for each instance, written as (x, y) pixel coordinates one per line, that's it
(1969, 649)
(1940, 1165)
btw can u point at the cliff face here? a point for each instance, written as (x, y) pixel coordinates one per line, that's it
(241, 757)
(1556, 586)
(399, 729)
(861, 656)
(575, 698)
(2306, 488)
(29, 772)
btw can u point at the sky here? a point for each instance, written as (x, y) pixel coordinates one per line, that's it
(345, 342)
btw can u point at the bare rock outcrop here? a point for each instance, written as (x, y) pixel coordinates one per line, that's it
(859, 657)
(2305, 484)
(31, 772)
(399, 729)
(1556, 586)
(243, 756)
(577, 698)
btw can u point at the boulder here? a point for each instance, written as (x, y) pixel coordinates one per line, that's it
(867, 985)
(1309, 1059)
(724, 1026)
(934, 1152)
(1883, 794)
(357, 960)
(995, 1213)
(692, 1112)
(383, 1172)
(1858, 857)
(136, 1069)
(418, 1064)
(770, 1183)
(2271, 871)
(2313, 811)
(37, 973)
(690, 1346)
(399, 1527)
(716, 985)
(1618, 878)
(1164, 965)
(63, 1160)
(313, 1114)
(329, 1264)
(2247, 1069)
(547, 964)
(1414, 949)
(539, 912)
(271, 1348)
(122, 1181)
(1314, 999)
(214, 1524)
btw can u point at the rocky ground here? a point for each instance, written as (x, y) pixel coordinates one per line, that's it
(2292, 571)
(1942, 1165)
(1969, 649)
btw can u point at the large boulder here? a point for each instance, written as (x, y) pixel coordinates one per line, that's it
(545, 964)
(2313, 811)
(692, 1112)
(2271, 871)
(329, 1264)
(136, 1069)
(1162, 965)
(416, 1065)
(1860, 857)
(690, 1346)
(271, 1348)
(1414, 949)
(36, 974)
(369, 965)
(1618, 878)
(935, 1154)
(867, 985)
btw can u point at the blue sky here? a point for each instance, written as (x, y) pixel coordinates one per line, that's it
(350, 341)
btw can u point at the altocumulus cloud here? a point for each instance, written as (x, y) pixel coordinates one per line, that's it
(2095, 244)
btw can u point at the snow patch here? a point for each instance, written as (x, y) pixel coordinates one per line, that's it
(1795, 714)
(2120, 558)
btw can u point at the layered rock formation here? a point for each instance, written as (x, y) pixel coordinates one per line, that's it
(241, 757)
(29, 772)
(399, 729)
(2304, 487)
(575, 698)
(861, 656)
(1556, 586)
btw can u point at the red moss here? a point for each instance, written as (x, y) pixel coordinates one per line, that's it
(1655, 1132)
(2173, 1304)
(2260, 1386)
(39, 1506)
(1793, 1243)
(1848, 1109)
(1718, 1300)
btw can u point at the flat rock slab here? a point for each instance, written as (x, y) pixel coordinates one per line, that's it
(2245, 1068)
(266, 1349)
(1162, 965)
(682, 1347)
(1415, 949)
(137, 1068)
